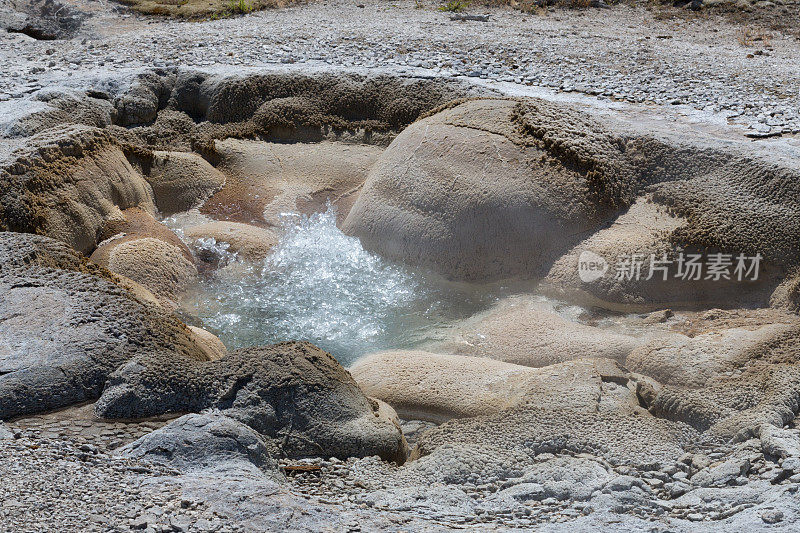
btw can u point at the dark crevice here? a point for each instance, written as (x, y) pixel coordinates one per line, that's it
(37, 33)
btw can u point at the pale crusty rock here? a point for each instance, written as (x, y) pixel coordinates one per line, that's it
(642, 232)
(251, 243)
(526, 331)
(490, 189)
(763, 390)
(562, 477)
(67, 183)
(427, 386)
(209, 343)
(182, 180)
(779, 442)
(265, 180)
(675, 359)
(575, 407)
(159, 266)
(787, 294)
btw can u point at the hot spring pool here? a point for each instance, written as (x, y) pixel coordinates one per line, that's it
(320, 285)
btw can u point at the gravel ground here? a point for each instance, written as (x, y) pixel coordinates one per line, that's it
(625, 53)
(57, 485)
(60, 474)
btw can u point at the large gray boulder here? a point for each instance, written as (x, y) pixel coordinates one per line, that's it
(491, 188)
(209, 443)
(292, 392)
(66, 325)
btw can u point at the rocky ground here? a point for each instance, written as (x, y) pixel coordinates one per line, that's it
(746, 73)
(61, 470)
(619, 415)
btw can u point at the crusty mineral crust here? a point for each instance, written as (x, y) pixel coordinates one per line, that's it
(292, 391)
(65, 329)
(494, 188)
(764, 390)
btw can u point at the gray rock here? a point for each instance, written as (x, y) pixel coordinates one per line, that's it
(567, 478)
(624, 483)
(292, 392)
(64, 329)
(43, 20)
(722, 474)
(525, 492)
(54, 107)
(677, 488)
(700, 461)
(140, 104)
(772, 516)
(779, 442)
(791, 464)
(437, 502)
(5, 433)
(211, 443)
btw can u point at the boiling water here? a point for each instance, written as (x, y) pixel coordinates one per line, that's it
(320, 285)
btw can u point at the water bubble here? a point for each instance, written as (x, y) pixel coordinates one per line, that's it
(320, 285)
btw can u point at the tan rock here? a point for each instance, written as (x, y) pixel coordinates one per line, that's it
(386, 412)
(526, 331)
(138, 290)
(250, 242)
(209, 343)
(265, 180)
(474, 192)
(136, 221)
(787, 294)
(641, 232)
(75, 179)
(427, 386)
(762, 390)
(182, 180)
(582, 406)
(161, 267)
(691, 362)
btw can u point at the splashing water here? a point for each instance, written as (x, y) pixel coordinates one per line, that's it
(320, 285)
